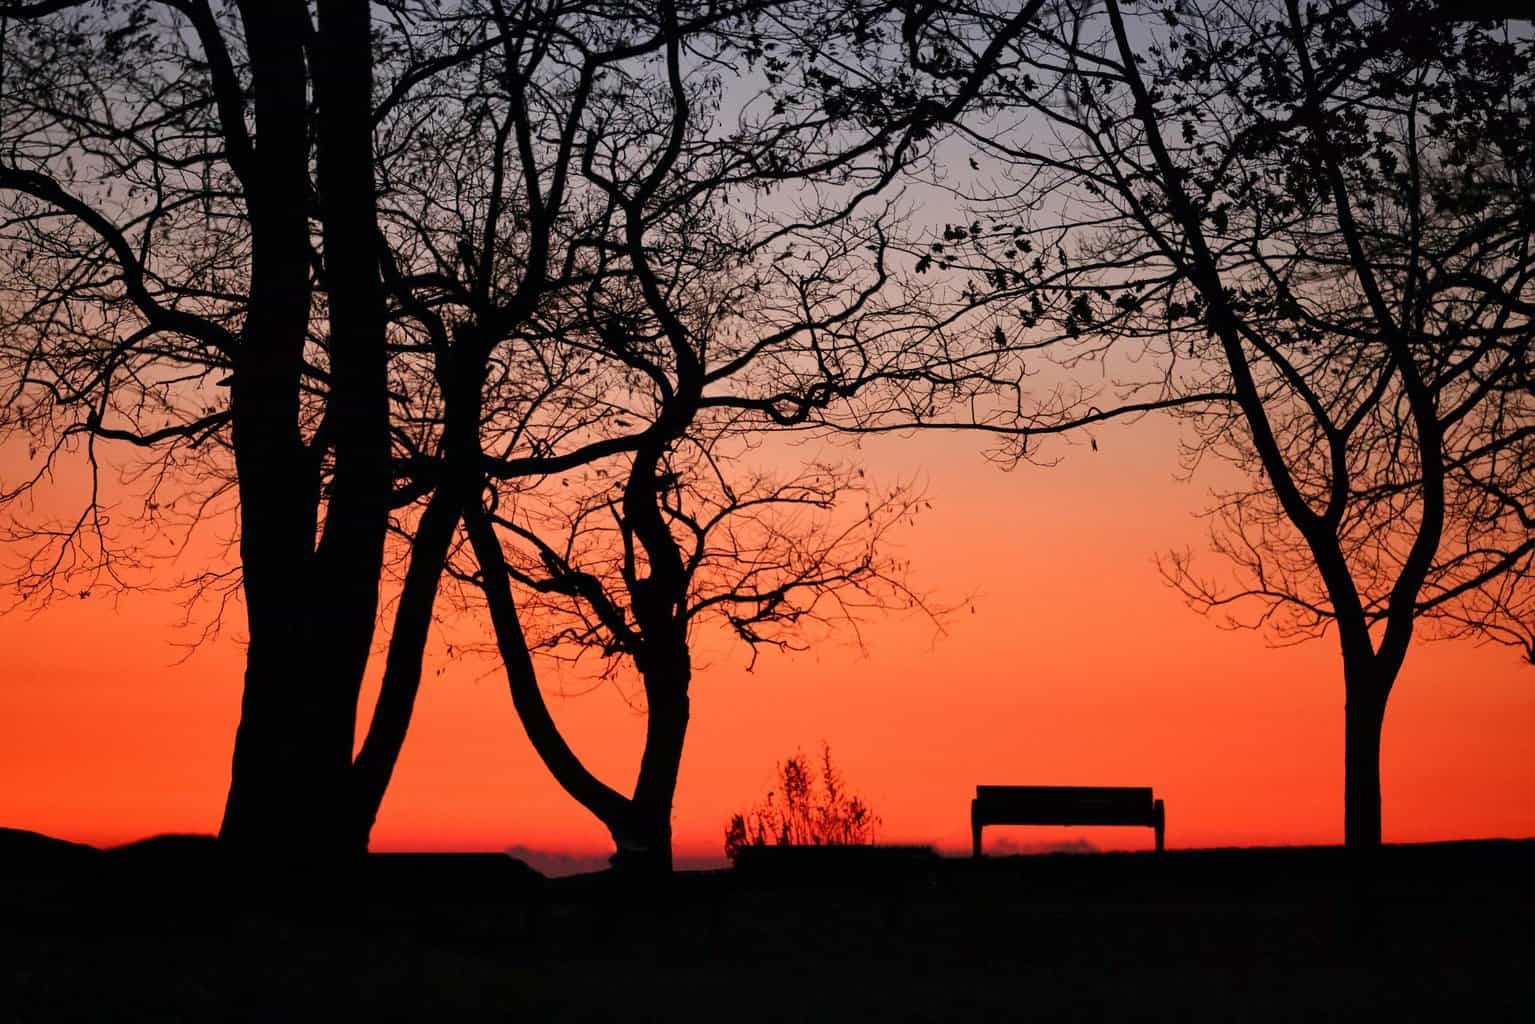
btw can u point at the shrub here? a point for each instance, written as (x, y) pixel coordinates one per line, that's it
(804, 810)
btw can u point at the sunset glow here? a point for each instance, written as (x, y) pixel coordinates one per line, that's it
(1077, 666)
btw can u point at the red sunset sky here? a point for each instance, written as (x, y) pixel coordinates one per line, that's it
(1077, 666)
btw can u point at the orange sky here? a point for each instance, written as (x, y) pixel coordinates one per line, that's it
(1078, 666)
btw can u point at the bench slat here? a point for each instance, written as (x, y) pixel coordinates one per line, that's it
(1064, 805)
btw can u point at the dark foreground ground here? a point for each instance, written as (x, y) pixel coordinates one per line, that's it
(164, 931)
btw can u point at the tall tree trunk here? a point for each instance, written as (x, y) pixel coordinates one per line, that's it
(1363, 717)
(277, 795)
(349, 557)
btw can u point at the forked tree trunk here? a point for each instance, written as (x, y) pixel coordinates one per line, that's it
(641, 825)
(608, 805)
(310, 611)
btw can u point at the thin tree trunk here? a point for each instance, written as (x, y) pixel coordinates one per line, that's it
(380, 751)
(648, 849)
(429, 549)
(1363, 717)
(609, 806)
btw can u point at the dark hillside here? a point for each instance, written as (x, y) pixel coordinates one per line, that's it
(1423, 932)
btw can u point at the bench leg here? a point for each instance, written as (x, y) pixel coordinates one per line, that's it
(975, 839)
(1161, 823)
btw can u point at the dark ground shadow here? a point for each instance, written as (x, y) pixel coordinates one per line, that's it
(167, 930)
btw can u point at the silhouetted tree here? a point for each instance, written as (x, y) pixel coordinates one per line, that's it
(1313, 225)
(771, 563)
(635, 324)
(486, 231)
(361, 315)
(180, 219)
(670, 534)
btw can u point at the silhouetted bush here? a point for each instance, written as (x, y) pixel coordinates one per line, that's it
(805, 810)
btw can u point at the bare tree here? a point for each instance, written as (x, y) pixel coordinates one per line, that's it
(585, 302)
(156, 242)
(357, 317)
(1313, 227)
(191, 270)
(775, 564)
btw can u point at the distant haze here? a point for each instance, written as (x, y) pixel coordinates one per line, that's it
(558, 864)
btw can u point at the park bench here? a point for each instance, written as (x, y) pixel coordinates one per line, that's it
(1064, 805)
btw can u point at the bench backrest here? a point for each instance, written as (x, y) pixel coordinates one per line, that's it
(1062, 805)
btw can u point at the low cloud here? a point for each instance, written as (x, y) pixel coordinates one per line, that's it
(559, 863)
(700, 862)
(1011, 847)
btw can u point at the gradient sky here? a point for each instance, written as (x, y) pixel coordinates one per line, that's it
(1077, 666)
